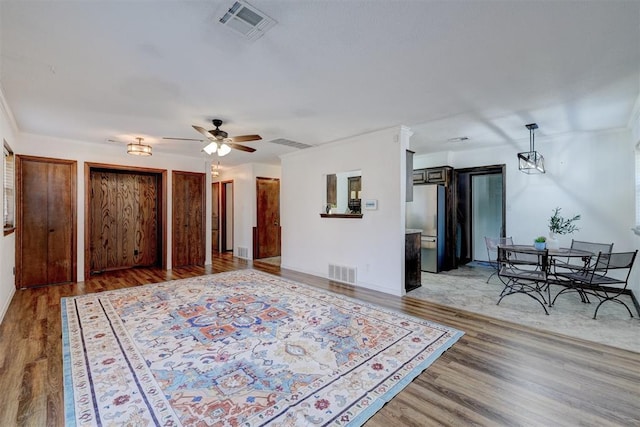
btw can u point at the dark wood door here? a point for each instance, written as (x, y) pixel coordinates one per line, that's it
(46, 227)
(123, 211)
(268, 217)
(188, 219)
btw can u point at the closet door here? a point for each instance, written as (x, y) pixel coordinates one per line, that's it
(188, 219)
(123, 212)
(46, 226)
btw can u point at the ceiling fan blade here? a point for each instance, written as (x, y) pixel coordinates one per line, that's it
(241, 147)
(184, 139)
(245, 138)
(204, 132)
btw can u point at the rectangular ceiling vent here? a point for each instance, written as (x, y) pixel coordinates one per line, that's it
(247, 20)
(290, 143)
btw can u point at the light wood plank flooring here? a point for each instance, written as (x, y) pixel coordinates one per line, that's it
(499, 373)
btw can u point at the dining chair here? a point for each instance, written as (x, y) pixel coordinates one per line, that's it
(524, 271)
(492, 251)
(592, 247)
(598, 280)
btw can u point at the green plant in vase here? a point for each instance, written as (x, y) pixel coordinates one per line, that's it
(540, 242)
(559, 225)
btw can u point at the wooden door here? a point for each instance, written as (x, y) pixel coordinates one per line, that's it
(215, 217)
(123, 211)
(46, 226)
(188, 219)
(268, 217)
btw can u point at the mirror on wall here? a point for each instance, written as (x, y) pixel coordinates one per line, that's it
(343, 194)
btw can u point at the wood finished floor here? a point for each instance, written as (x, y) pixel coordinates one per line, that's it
(498, 373)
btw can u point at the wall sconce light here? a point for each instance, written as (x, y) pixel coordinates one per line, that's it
(531, 161)
(139, 149)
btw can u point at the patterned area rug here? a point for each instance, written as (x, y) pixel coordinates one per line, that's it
(242, 348)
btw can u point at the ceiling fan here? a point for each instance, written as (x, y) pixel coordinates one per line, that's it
(220, 140)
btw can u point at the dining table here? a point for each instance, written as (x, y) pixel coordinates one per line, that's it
(553, 255)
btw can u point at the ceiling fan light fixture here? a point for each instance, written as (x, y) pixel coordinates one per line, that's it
(211, 148)
(224, 150)
(138, 148)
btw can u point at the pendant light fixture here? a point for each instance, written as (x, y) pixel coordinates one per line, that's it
(139, 149)
(531, 161)
(216, 171)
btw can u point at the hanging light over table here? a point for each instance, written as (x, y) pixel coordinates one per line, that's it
(531, 161)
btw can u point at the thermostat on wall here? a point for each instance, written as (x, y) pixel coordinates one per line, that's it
(371, 204)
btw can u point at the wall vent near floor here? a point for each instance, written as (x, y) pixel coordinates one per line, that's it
(341, 273)
(243, 252)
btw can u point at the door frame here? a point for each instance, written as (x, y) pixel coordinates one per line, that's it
(162, 208)
(19, 158)
(466, 198)
(223, 215)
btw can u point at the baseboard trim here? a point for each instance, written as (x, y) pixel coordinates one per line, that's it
(7, 304)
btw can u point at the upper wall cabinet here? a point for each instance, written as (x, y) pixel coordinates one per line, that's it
(439, 175)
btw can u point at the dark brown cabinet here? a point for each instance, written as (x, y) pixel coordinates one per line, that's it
(438, 175)
(188, 236)
(412, 260)
(46, 221)
(409, 180)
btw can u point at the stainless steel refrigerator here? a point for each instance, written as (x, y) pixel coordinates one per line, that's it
(427, 213)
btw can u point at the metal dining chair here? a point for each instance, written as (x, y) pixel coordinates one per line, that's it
(598, 281)
(524, 271)
(592, 247)
(492, 251)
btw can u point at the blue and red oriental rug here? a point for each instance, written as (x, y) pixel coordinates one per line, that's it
(242, 348)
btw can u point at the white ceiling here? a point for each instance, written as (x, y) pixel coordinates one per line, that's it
(97, 70)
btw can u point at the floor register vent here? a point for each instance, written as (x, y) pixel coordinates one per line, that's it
(340, 273)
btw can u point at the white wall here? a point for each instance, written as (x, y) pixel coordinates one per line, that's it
(7, 244)
(244, 200)
(374, 245)
(591, 174)
(44, 146)
(634, 124)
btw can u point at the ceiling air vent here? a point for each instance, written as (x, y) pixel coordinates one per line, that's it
(247, 20)
(290, 143)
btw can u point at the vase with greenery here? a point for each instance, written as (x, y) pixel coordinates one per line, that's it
(559, 225)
